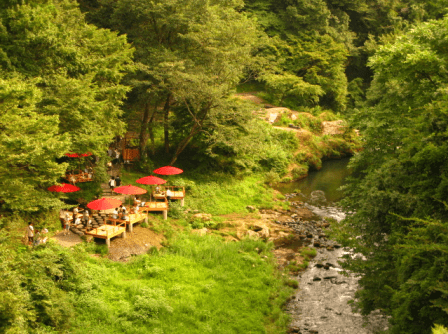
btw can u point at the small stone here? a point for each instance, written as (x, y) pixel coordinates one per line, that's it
(251, 208)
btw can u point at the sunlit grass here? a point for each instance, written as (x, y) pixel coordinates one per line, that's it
(199, 285)
(216, 193)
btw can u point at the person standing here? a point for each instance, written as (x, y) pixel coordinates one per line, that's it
(30, 233)
(112, 183)
(85, 215)
(66, 223)
(117, 181)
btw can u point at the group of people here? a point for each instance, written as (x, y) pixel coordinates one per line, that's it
(168, 193)
(76, 220)
(120, 213)
(74, 176)
(37, 237)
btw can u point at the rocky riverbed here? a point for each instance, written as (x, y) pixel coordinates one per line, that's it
(321, 302)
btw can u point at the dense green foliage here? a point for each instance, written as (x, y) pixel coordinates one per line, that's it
(400, 183)
(61, 92)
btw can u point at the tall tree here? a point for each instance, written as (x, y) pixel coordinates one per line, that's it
(400, 183)
(307, 41)
(190, 55)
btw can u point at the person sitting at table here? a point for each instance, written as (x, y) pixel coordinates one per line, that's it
(135, 207)
(115, 214)
(139, 202)
(72, 179)
(157, 190)
(169, 194)
(124, 215)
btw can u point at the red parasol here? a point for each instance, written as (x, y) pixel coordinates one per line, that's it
(151, 180)
(130, 190)
(65, 188)
(168, 170)
(104, 204)
(78, 155)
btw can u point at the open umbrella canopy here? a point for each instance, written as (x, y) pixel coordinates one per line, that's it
(65, 188)
(168, 170)
(104, 204)
(151, 180)
(130, 190)
(78, 155)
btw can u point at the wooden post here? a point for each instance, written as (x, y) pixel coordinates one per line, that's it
(123, 235)
(165, 214)
(130, 226)
(108, 242)
(182, 202)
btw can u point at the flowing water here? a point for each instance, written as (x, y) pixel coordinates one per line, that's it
(321, 303)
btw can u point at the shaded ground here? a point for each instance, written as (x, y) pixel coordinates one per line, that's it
(137, 242)
(68, 240)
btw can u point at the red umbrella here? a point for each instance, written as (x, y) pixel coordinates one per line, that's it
(130, 190)
(104, 204)
(78, 155)
(65, 188)
(168, 170)
(151, 180)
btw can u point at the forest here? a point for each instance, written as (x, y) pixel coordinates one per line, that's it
(77, 74)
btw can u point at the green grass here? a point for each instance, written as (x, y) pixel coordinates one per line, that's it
(199, 285)
(216, 193)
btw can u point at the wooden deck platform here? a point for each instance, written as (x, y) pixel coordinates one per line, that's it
(157, 206)
(75, 178)
(107, 232)
(133, 219)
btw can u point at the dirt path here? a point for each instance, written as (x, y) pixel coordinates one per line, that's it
(69, 240)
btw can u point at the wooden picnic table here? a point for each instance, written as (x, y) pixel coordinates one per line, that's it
(177, 191)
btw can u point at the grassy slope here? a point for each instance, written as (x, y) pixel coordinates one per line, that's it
(198, 285)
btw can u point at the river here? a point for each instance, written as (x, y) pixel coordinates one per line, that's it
(321, 302)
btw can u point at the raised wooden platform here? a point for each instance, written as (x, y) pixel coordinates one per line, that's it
(75, 178)
(133, 219)
(107, 232)
(157, 206)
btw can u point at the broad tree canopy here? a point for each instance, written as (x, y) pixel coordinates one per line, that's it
(61, 81)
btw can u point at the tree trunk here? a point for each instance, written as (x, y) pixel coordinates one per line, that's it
(150, 130)
(143, 132)
(194, 130)
(184, 142)
(166, 110)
